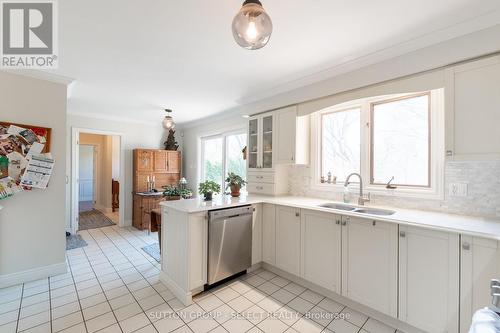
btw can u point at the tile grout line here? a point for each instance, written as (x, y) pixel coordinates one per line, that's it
(20, 307)
(100, 286)
(126, 286)
(77, 296)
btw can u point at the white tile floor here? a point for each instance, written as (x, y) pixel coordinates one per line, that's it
(113, 286)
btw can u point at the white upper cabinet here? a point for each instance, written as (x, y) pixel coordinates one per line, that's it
(261, 137)
(480, 263)
(321, 249)
(269, 234)
(292, 137)
(473, 110)
(288, 239)
(370, 263)
(429, 279)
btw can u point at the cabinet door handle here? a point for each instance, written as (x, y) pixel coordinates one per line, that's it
(374, 223)
(402, 234)
(292, 158)
(466, 246)
(337, 222)
(297, 214)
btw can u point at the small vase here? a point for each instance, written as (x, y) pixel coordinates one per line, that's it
(208, 196)
(235, 191)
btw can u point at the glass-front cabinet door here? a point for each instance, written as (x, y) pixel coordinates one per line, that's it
(267, 142)
(253, 143)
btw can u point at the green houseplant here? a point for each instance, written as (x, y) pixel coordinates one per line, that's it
(235, 183)
(208, 188)
(175, 193)
(171, 192)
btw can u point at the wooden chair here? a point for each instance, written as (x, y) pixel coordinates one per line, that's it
(115, 195)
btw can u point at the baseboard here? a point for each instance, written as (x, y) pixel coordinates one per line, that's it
(394, 322)
(185, 297)
(33, 274)
(127, 223)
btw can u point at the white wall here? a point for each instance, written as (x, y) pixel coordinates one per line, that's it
(135, 135)
(115, 167)
(32, 239)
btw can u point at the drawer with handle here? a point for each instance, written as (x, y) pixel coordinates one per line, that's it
(261, 177)
(260, 188)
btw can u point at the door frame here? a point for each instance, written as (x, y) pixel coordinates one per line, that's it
(75, 135)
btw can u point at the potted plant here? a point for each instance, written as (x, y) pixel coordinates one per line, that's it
(171, 193)
(235, 183)
(186, 193)
(208, 188)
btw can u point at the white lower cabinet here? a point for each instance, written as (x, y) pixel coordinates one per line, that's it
(321, 248)
(257, 234)
(480, 262)
(370, 263)
(429, 279)
(269, 234)
(288, 239)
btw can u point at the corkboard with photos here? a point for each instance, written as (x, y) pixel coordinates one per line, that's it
(25, 159)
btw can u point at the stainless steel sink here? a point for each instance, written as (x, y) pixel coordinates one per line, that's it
(361, 210)
(374, 211)
(338, 206)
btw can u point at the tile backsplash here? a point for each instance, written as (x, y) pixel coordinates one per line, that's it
(482, 179)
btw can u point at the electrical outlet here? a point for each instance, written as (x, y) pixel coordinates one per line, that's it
(458, 190)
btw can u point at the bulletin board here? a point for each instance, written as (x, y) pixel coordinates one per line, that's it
(25, 159)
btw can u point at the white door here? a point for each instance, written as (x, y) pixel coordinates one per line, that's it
(429, 279)
(257, 234)
(268, 234)
(370, 263)
(321, 249)
(480, 263)
(288, 239)
(286, 121)
(87, 175)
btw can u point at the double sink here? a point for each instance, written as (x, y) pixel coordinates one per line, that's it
(360, 210)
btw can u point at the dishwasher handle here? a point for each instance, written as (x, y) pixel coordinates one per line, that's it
(230, 212)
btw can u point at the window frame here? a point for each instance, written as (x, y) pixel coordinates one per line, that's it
(338, 110)
(436, 147)
(429, 142)
(223, 136)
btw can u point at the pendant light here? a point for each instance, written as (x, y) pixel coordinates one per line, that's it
(252, 27)
(168, 122)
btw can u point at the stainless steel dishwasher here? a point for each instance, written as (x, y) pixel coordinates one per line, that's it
(229, 242)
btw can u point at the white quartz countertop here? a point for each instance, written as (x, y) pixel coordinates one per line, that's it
(474, 226)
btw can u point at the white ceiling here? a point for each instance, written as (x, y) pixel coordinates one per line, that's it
(133, 58)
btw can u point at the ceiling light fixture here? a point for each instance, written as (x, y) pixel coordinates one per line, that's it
(252, 27)
(168, 122)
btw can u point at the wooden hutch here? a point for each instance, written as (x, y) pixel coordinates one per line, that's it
(164, 166)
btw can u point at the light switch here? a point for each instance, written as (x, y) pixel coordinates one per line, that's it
(458, 190)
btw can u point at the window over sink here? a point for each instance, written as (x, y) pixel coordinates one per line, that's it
(395, 139)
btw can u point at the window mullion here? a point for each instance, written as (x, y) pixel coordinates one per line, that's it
(365, 161)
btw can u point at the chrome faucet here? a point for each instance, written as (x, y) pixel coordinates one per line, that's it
(361, 199)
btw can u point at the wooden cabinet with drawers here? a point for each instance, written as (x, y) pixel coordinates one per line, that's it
(162, 166)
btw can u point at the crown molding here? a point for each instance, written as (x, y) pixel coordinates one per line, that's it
(41, 75)
(120, 119)
(356, 62)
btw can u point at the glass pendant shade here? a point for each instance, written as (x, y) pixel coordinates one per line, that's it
(252, 27)
(168, 122)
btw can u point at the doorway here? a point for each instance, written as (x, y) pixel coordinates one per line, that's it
(97, 179)
(87, 177)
